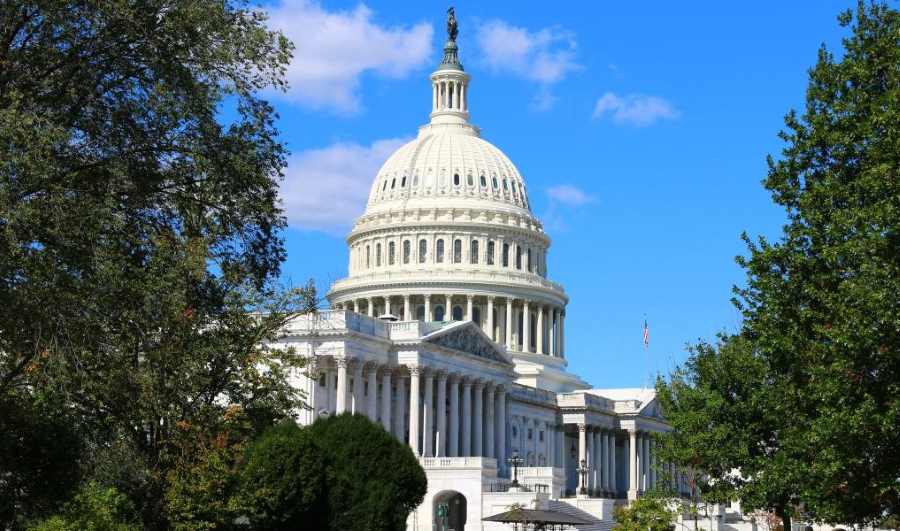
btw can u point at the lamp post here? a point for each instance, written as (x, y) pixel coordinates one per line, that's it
(583, 470)
(515, 461)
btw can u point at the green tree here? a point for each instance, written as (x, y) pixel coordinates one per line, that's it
(648, 513)
(94, 508)
(373, 480)
(282, 481)
(139, 230)
(730, 426)
(822, 304)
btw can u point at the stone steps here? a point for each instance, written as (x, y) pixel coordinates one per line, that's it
(595, 523)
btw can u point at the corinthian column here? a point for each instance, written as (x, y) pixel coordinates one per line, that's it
(477, 415)
(490, 319)
(441, 416)
(526, 328)
(402, 412)
(489, 422)
(427, 308)
(500, 418)
(467, 419)
(386, 399)
(341, 386)
(632, 465)
(582, 455)
(372, 398)
(428, 417)
(414, 384)
(509, 324)
(540, 330)
(453, 432)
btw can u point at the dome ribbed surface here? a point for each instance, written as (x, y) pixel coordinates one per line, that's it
(448, 162)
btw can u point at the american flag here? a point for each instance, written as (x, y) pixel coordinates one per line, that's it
(646, 334)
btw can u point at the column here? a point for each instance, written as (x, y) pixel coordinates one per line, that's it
(490, 319)
(611, 484)
(598, 453)
(386, 399)
(372, 412)
(582, 454)
(407, 312)
(509, 324)
(428, 308)
(551, 444)
(645, 462)
(477, 436)
(448, 308)
(632, 465)
(470, 315)
(551, 331)
(312, 387)
(357, 397)
(562, 333)
(428, 417)
(591, 460)
(414, 384)
(441, 416)
(489, 421)
(341, 386)
(467, 419)
(371, 311)
(540, 330)
(560, 446)
(453, 431)
(652, 461)
(402, 413)
(500, 428)
(604, 461)
(387, 305)
(526, 328)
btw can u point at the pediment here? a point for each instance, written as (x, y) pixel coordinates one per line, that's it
(468, 338)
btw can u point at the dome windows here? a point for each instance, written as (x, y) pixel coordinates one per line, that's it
(483, 181)
(403, 182)
(455, 179)
(377, 255)
(489, 258)
(505, 255)
(473, 252)
(393, 182)
(469, 180)
(457, 251)
(368, 257)
(439, 252)
(384, 187)
(407, 251)
(391, 253)
(496, 186)
(423, 250)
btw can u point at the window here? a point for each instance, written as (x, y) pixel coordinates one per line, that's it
(505, 255)
(457, 313)
(541, 436)
(368, 257)
(455, 179)
(489, 259)
(416, 180)
(457, 251)
(495, 182)
(528, 261)
(378, 255)
(469, 180)
(391, 249)
(515, 432)
(530, 434)
(393, 182)
(438, 313)
(439, 252)
(473, 252)
(483, 182)
(518, 257)
(406, 251)
(423, 250)
(403, 182)
(383, 188)
(505, 185)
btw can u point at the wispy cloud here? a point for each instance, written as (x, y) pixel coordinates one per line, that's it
(545, 56)
(327, 188)
(333, 49)
(566, 194)
(634, 109)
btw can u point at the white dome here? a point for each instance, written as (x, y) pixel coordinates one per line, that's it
(448, 162)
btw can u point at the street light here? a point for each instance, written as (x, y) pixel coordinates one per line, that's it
(583, 470)
(515, 461)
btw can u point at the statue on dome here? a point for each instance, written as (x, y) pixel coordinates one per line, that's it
(452, 27)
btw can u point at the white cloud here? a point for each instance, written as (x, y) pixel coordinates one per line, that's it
(634, 109)
(567, 194)
(545, 56)
(327, 188)
(333, 49)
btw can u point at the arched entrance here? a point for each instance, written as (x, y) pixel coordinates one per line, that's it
(449, 511)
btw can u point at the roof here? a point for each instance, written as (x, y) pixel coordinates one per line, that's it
(532, 516)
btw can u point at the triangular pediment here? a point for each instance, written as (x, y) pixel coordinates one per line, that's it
(467, 337)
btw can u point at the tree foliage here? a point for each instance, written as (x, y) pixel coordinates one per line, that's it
(805, 401)
(648, 513)
(140, 230)
(94, 508)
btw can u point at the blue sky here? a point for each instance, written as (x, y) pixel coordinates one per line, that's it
(641, 130)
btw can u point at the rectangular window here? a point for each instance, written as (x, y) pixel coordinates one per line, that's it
(490, 253)
(391, 253)
(406, 251)
(377, 255)
(457, 251)
(439, 253)
(505, 255)
(473, 252)
(423, 251)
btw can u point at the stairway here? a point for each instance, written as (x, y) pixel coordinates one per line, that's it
(595, 525)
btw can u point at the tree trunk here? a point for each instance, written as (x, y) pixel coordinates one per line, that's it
(786, 521)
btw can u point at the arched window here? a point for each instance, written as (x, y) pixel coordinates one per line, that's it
(490, 253)
(403, 182)
(528, 262)
(457, 313)
(423, 250)
(393, 182)
(368, 257)
(494, 179)
(377, 255)
(439, 252)
(384, 187)
(518, 257)
(406, 251)
(505, 185)
(438, 313)
(391, 253)
(483, 182)
(457, 251)
(505, 255)
(455, 179)
(473, 252)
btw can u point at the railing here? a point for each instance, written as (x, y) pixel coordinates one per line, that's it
(533, 394)
(458, 462)
(336, 320)
(524, 486)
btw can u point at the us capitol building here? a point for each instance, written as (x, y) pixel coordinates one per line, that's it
(449, 333)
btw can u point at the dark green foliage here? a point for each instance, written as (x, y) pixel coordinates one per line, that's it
(39, 458)
(282, 481)
(648, 513)
(373, 480)
(822, 304)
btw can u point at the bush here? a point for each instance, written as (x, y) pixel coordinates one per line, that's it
(645, 514)
(94, 508)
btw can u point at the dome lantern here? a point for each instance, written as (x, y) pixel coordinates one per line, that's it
(449, 83)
